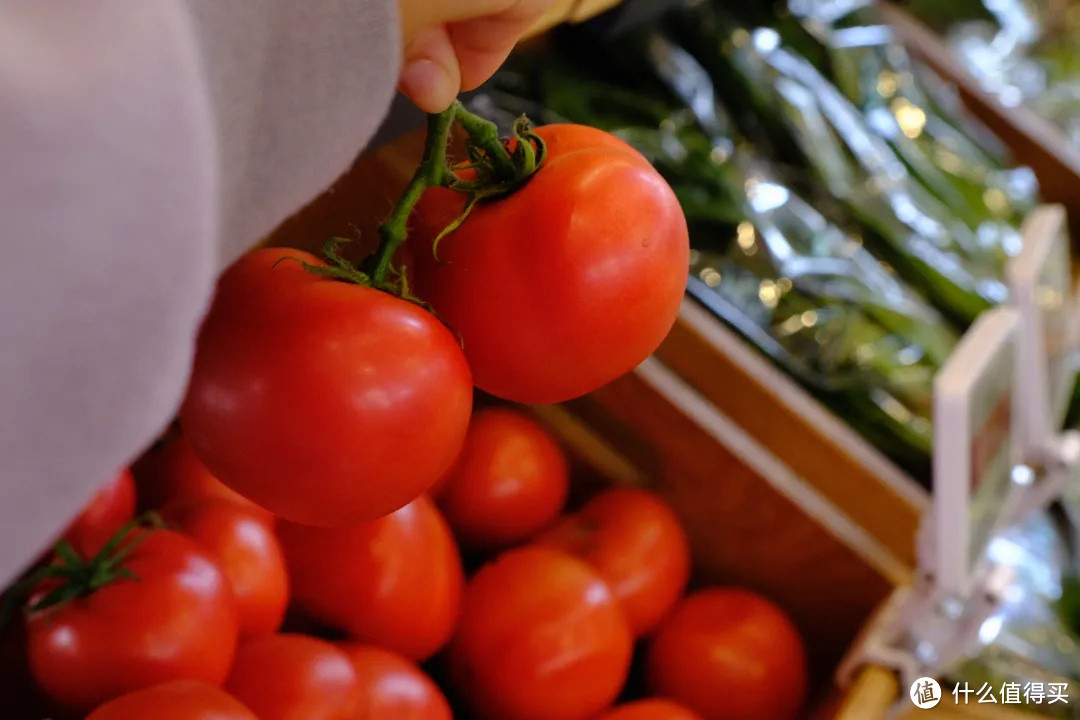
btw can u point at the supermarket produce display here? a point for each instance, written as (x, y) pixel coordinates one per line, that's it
(544, 626)
(843, 220)
(389, 492)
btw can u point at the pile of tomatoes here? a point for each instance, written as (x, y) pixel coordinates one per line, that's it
(544, 627)
(329, 477)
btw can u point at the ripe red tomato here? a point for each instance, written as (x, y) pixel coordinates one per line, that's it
(247, 551)
(109, 510)
(509, 482)
(394, 687)
(294, 677)
(175, 619)
(633, 539)
(395, 581)
(541, 637)
(179, 700)
(566, 284)
(325, 402)
(729, 654)
(175, 474)
(649, 710)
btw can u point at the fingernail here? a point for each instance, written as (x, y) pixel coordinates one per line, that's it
(427, 83)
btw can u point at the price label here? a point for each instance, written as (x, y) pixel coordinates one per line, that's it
(1040, 286)
(974, 453)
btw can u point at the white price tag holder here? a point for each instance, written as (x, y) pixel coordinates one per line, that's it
(974, 492)
(1041, 290)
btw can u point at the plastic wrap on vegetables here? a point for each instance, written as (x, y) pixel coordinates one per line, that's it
(801, 289)
(1030, 638)
(1023, 52)
(915, 231)
(875, 73)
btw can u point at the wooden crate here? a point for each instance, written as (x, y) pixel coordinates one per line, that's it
(776, 493)
(829, 552)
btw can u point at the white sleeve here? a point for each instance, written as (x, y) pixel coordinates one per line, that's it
(142, 145)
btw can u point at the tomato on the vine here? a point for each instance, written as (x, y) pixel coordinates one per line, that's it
(245, 548)
(178, 700)
(568, 282)
(173, 473)
(650, 710)
(324, 401)
(637, 544)
(294, 677)
(395, 581)
(541, 637)
(166, 613)
(509, 482)
(112, 507)
(729, 654)
(393, 687)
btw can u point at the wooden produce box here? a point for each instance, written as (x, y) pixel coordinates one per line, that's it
(777, 493)
(752, 520)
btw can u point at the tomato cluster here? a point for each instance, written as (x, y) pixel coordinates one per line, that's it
(310, 511)
(330, 395)
(187, 621)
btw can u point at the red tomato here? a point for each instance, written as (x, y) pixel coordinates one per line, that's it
(175, 474)
(540, 638)
(109, 510)
(510, 481)
(176, 619)
(325, 402)
(649, 710)
(294, 677)
(247, 551)
(566, 284)
(633, 539)
(179, 700)
(393, 687)
(729, 654)
(395, 581)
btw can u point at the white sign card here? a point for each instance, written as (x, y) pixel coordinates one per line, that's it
(973, 448)
(1041, 290)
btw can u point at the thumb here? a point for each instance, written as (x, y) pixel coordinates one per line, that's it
(431, 76)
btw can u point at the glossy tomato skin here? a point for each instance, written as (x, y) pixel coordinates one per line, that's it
(323, 401)
(294, 677)
(540, 638)
(654, 709)
(509, 482)
(396, 581)
(112, 507)
(568, 283)
(392, 686)
(729, 654)
(246, 549)
(178, 700)
(178, 620)
(636, 543)
(174, 474)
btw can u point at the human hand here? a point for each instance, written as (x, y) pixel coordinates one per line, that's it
(455, 45)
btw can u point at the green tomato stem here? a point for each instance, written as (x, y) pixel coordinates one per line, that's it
(432, 172)
(505, 173)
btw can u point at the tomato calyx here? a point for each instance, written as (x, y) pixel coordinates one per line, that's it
(76, 576)
(498, 166)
